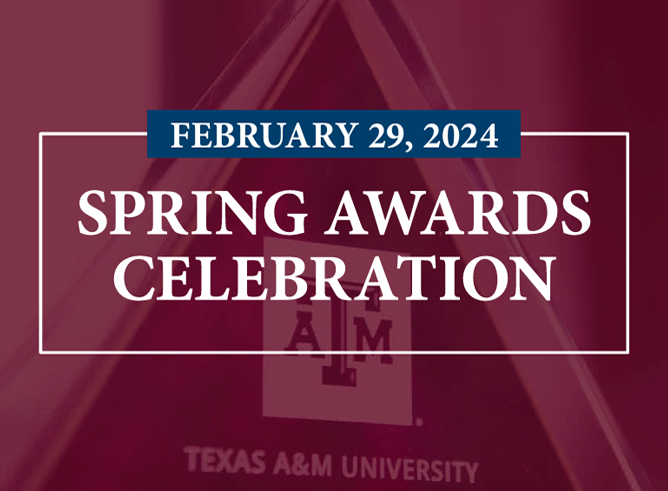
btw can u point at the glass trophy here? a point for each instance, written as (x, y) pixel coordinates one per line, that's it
(474, 417)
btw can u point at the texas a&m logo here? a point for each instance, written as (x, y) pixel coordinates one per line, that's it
(338, 387)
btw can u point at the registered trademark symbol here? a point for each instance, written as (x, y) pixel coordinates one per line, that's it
(419, 422)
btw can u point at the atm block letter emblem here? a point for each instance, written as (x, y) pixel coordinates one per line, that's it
(370, 388)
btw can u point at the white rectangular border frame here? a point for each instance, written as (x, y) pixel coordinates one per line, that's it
(262, 352)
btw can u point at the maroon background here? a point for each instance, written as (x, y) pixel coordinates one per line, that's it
(601, 67)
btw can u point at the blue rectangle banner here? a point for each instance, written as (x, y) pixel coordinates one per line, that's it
(334, 134)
